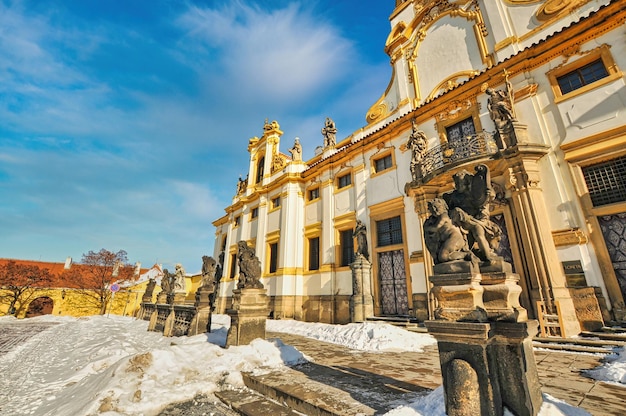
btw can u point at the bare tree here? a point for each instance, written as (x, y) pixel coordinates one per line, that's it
(93, 276)
(19, 284)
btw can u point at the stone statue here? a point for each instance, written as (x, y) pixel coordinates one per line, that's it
(417, 143)
(329, 132)
(296, 151)
(500, 106)
(179, 279)
(166, 282)
(444, 240)
(209, 268)
(147, 295)
(242, 184)
(469, 209)
(360, 233)
(249, 267)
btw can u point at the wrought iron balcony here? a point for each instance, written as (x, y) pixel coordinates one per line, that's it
(461, 150)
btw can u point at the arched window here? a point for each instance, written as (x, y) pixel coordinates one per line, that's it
(259, 170)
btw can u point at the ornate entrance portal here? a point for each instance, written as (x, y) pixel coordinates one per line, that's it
(393, 289)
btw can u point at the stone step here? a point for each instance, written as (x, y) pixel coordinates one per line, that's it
(249, 403)
(603, 335)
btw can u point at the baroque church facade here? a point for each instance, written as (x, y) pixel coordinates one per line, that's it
(532, 89)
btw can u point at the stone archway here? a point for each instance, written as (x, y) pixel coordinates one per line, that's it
(40, 306)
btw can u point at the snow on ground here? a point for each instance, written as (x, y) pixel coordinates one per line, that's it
(113, 366)
(613, 370)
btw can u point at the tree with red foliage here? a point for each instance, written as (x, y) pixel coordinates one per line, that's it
(19, 284)
(92, 278)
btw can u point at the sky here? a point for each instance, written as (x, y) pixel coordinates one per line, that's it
(124, 125)
(71, 369)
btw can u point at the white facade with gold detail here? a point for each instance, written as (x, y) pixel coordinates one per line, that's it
(561, 189)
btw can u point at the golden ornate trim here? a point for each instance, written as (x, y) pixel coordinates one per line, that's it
(569, 237)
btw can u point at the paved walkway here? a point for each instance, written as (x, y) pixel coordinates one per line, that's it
(559, 373)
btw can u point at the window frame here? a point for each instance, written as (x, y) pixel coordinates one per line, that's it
(602, 53)
(314, 262)
(342, 247)
(254, 213)
(272, 266)
(275, 203)
(386, 154)
(309, 194)
(340, 177)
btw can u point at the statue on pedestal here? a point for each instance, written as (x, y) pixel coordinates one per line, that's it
(179, 279)
(209, 268)
(329, 132)
(417, 143)
(296, 151)
(249, 267)
(360, 233)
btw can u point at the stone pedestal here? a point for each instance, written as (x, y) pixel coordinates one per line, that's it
(201, 322)
(248, 316)
(361, 301)
(501, 297)
(162, 298)
(178, 298)
(486, 366)
(459, 297)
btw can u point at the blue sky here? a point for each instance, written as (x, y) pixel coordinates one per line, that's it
(124, 125)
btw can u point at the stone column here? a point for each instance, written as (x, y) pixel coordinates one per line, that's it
(531, 216)
(361, 301)
(248, 316)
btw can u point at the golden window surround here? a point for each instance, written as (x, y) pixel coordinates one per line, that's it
(601, 52)
(382, 153)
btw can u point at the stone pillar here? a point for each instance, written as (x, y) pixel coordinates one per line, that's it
(247, 316)
(201, 321)
(361, 301)
(531, 216)
(469, 381)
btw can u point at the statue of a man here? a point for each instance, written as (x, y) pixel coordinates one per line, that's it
(296, 151)
(329, 132)
(360, 233)
(166, 282)
(499, 105)
(417, 143)
(179, 279)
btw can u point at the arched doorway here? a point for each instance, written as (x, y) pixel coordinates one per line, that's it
(40, 306)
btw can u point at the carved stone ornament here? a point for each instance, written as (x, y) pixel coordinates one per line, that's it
(249, 267)
(278, 163)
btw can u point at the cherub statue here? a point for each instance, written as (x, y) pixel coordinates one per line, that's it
(444, 240)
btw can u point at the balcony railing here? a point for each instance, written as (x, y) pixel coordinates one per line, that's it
(450, 154)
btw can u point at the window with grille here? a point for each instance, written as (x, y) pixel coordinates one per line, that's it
(383, 163)
(389, 232)
(314, 253)
(458, 131)
(273, 257)
(606, 181)
(582, 76)
(345, 180)
(347, 247)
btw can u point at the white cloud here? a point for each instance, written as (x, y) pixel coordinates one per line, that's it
(285, 54)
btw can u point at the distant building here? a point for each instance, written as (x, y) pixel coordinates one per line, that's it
(62, 296)
(557, 158)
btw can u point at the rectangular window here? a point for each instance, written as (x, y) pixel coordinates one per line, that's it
(383, 163)
(389, 232)
(233, 265)
(582, 76)
(314, 194)
(462, 129)
(345, 180)
(237, 220)
(254, 213)
(347, 247)
(314, 253)
(276, 202)
(606, 181)
(273, 257)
